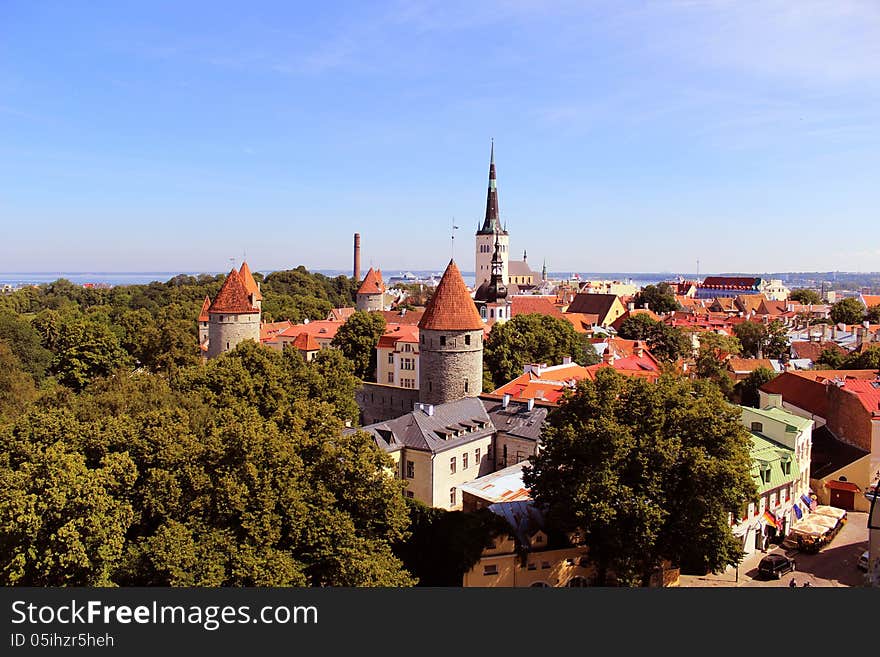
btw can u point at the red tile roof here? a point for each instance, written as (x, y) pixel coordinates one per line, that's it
(528, 304)
(395, 333)
(451, 308)
(232, 297)
(868, 393)
(306, 342)
(203, 313)
(268, 330)
(740, 365)
(372, 283)
(582, 322)
(321, 329)
(806, 388)
(402, 317)
(871, 300)
(813, 350)
(341, 314)
(249, 283)
(730, 282)
(631, 313)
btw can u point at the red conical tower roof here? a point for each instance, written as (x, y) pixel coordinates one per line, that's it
(372, 283)
(232, 297)
(249, 283)
(451, 308)
(203, 313)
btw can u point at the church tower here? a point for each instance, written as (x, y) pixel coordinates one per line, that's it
(232, 317)
(450, 343)
(491, 296)
(490, 232)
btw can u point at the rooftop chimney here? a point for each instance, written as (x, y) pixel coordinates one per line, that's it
(631, 306)
(357, 257)
(566, 360)
(530, 404)
(505, 401)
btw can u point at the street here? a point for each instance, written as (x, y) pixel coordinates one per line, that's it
(834, 565)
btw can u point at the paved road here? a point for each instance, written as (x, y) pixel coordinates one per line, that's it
(834, 565)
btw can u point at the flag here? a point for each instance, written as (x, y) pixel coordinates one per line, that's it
(770, 519)
(797, 511)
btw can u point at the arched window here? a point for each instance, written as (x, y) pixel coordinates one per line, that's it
(539, 585)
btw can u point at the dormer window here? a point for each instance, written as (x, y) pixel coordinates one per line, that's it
(758, 426)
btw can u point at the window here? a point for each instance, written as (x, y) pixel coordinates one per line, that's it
(464, 461)
(410, 469)
(467, 339)
(545, 565)
(390, 377)
(452, 466)
(391, 358)
(539, 538)
(452, 495)
(465, 385)
(430, 386)
(442, 340)
(409, 494)
(490, 569)
(477, 457)
(757, 426)
(532, 565)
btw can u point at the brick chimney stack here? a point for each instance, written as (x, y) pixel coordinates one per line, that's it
(357, 257)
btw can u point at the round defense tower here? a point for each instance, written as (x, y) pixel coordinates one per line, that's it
(450, 343)
(231, 317)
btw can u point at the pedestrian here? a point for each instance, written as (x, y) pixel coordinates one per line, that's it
(807, 584)
(792, 583)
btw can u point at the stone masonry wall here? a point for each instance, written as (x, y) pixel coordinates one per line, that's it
(443, 370)
(369, 302)
(230, 330)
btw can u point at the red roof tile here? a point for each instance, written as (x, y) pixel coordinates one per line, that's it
(868, 393)
(203, 313)
(813, 350)
(871, 300)
(806, 388)
(249, 283)
(232, 297)
(528, 304)
(306, 342)
(402, 317)
(372, 283)
(451, 308)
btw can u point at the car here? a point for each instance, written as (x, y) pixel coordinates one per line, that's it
(776, 565)
(862, 563)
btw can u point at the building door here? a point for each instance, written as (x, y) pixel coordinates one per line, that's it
(843, 499)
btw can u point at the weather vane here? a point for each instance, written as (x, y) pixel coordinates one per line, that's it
(454, 228)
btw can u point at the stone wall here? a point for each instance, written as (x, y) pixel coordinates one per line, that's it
(379, 402)
(227, 330)
(450, 371)
(368, 302)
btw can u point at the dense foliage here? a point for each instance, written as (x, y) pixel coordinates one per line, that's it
(533, 338)
(660, 298)
(357, 339)
(648, 471)
(759, 340)
(805, 296)
(847, 311)
(665, 342)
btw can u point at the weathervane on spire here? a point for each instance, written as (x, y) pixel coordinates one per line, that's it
(454, 228)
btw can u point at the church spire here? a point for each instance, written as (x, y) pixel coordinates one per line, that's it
(491, 224)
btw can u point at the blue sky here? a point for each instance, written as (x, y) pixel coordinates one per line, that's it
(169, 136)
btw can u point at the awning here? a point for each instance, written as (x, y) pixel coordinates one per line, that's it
(843, 485)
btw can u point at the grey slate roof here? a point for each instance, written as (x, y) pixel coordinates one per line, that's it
(435, 433)
(516, 420)
(521, 268)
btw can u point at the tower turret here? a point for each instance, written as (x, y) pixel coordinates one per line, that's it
(232, 318)
(450, 343)
(490, 231)
(371, 293)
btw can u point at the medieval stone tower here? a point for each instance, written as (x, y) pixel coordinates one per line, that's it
(450, 343)
(371, 293)
(234, 315)
(490, 233)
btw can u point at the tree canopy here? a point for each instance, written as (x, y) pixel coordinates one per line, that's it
(357, 339)
(665, 342)
(533, 338)
(805, 296)
(847, 311)
(660, 298)
(747, 389)
(647, 471)
(762, 340)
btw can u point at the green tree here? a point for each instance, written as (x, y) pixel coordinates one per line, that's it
(831, 359)
(444, 545)
(867, 360)
(805, 296)
(533, 338)
(660, 298)
(752, 336)
(873, 314)
(357, 339)
(847, 311)
(648, 472)
(85, 351)
(24, 341)
(667, 343)
(17, 387)
(712, 357)
(776, 345)
(748, 387)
